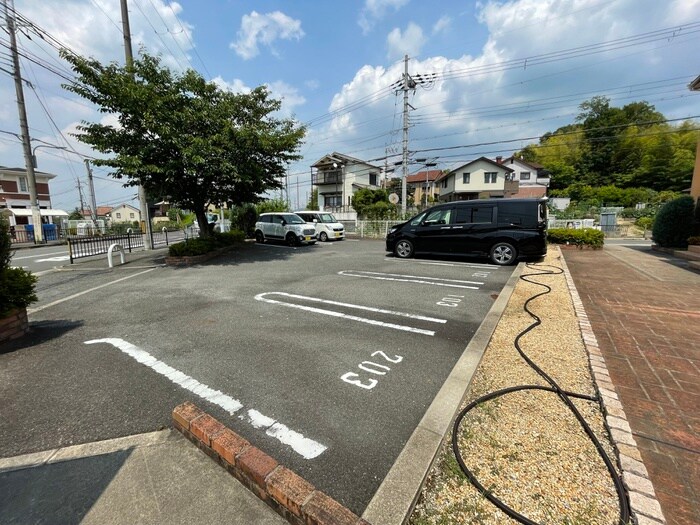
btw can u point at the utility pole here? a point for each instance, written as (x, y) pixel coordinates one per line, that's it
(407, 80)
(406, 84)
(91, 187)
(143, 205)
(24, 127)
(80, 194)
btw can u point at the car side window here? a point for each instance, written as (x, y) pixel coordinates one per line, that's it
(277, 219)
(474, 215)
(437, 217)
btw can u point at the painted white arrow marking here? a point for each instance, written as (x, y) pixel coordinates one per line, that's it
(435, 281)
(333, 313)
(306, 447)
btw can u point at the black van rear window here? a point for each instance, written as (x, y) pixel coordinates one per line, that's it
(469, 214)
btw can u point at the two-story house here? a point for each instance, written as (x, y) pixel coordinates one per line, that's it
(15, 202)
(125, 213)
(479, 179)
(532, 178)
(424, 184)
(338, 177)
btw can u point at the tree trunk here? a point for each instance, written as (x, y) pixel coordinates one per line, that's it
(202, 221)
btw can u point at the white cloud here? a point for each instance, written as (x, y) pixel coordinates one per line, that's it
(375, 10)
(442, 25)
(408, 42)
(289, 95)
(235, 86)
(264, 29)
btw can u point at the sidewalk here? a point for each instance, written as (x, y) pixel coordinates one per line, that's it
(158, 477)
(645, 313)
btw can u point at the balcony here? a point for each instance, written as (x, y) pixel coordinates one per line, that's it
(327, 177)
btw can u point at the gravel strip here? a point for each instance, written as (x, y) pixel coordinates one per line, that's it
(526, 447)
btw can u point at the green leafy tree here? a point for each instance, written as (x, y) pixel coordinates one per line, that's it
(313, 201)
(271, 205)
(182, 137)
(674, 223)
(17, 285)
(75, 215)
(365, 200)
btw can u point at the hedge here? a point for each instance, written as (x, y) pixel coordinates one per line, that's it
(202, 245)
(584, 237)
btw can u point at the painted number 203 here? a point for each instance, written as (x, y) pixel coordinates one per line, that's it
(451, 300)
(371, 367)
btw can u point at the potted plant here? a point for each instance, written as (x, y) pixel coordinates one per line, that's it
(17, 290)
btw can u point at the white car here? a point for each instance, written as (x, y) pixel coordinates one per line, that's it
(287, 227)
(327, 226)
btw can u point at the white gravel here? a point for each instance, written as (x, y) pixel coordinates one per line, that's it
(527, 448)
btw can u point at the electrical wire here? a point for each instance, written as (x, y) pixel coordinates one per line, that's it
(564, 395)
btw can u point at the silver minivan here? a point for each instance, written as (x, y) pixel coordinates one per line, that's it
(327, 226)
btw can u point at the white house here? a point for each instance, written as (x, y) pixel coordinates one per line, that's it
(532, 178)
(479, 179)
(338, 177)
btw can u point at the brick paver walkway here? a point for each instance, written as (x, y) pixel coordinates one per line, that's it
(645, 313)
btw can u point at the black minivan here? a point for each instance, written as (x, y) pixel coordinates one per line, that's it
(502, 229)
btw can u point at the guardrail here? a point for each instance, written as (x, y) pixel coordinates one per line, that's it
(82, 246)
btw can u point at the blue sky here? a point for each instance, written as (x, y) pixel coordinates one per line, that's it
(501, 74)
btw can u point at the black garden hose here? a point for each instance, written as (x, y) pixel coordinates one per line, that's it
(564, 395)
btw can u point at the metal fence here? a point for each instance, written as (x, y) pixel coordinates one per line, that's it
(374, 229)
(81, 246)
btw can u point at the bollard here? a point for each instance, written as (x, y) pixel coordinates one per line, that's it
(119, 248)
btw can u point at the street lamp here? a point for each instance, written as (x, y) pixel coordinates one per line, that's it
(43, 146)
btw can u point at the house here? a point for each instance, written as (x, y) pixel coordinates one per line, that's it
(424, 184)
(125, 213)
(695, 181)
(482, 178)
(15, 202)
(338, 177)
(532, 178)
(102, 212)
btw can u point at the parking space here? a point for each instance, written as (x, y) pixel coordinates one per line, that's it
(324, 356)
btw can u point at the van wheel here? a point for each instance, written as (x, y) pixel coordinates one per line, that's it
(323, 237)
(503, 254)
(404, 249)
(291, 239)
(259, 237)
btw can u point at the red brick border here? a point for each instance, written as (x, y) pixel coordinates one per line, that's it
(14, 325)
(291, 496)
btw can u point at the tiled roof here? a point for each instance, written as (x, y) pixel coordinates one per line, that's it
(420, 176)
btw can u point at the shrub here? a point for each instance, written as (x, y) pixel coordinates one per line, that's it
(585, 237)
(674, 223)
(17, 286)
(695, 241)
(202, 245)
(645, 222)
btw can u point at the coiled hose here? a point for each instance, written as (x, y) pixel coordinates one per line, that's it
(565, 397)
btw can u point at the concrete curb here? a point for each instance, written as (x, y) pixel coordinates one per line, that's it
(291, 496)
(643, 503)
(396, 497)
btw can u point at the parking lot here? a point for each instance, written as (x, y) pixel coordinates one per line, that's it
(324, 356)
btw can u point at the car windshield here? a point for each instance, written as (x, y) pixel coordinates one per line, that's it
(294, 219)
(327, 217)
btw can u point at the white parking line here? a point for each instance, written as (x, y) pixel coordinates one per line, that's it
(306, 447)
(462, 265)
(38, 255)
(435, 281)
(333, 313)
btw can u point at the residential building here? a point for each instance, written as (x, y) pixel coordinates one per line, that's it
(15, 203)
(532, 178)
(125, 213)
(338, 177)
(482, 178)
(102, 213)
(424, 184)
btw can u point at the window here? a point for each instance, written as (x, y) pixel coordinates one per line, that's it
(334, 200)
(131, 215)
(438, 217)
(119, 215)
(373, 179)
(23, 184)
(444, 183)
(465, 178)
(524, 175)
(468, 214)
(490, 177)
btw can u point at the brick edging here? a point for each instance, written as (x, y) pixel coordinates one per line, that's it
(291, 496)
(643, 503)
